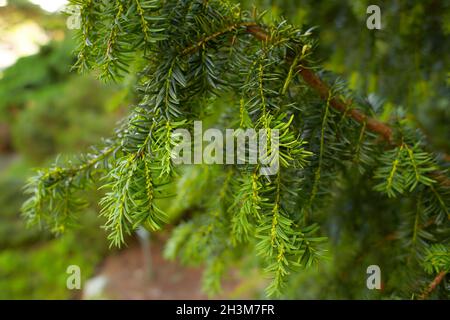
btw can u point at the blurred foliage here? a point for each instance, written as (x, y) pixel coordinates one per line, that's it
(13, 232)
(38, 271)
(21, 81)
(46, 109)
(33, 263)
(40, 90)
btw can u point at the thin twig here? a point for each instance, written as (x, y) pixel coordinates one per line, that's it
(203, 41)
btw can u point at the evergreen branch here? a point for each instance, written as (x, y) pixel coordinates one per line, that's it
(314, 81)
(441, 202)
(393, 173)
(357, 156)
(144, 24)
(112, 44)
(191, 49)
(72, 171)
(57, 174)
(317, 173)
(82, 64)
(437, 260)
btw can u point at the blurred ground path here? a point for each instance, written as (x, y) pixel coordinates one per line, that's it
(123, 275)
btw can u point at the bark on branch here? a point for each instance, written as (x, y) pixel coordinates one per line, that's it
(436, 281)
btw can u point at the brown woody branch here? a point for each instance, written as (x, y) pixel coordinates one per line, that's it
(323, 90)
(436, 281)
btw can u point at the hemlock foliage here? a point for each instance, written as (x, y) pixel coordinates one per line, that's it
(188, 56)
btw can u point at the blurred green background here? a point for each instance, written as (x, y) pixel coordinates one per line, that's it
(46, 110)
